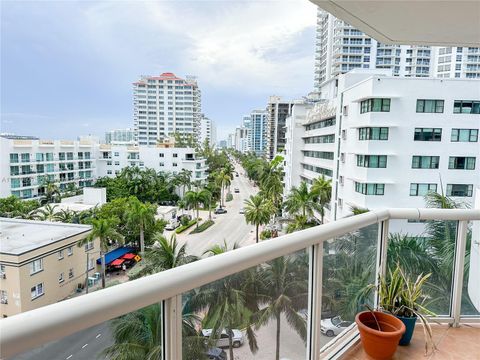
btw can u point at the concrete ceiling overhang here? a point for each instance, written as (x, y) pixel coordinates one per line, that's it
(413, 22)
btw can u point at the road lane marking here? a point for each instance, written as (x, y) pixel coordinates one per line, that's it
(68, 357)
(96, 337)
(84, 346)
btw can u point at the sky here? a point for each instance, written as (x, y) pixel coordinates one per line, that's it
(67, 67)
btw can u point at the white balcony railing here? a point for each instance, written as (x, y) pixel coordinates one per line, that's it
(34, 328)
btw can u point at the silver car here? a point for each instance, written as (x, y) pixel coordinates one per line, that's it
(222, 341)
(333, 326)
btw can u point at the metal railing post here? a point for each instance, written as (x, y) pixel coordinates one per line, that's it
(458, 270)
(381, 261)
(315, 302)
(172, 328)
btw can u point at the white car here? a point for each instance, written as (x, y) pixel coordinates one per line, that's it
(237, 338)
(333, 326)
(242, 211)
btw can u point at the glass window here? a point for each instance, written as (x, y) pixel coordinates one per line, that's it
(464, 135)
(15, 183)
(461, 190)
(60, 277)
(37, 291)
(427, 134)
(60, 255)
(375, 105)
(372, 161)
(466, 107)
(70, 273)
(370, 189)
(430, 106)
(373, 133)
(14, 170)
(422, 189)
(25, 157)
(13, 158)
(461, 163)
(425, 162)
(36, 266)
(70, 250)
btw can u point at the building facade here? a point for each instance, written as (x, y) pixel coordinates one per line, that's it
(44, 267)
(208, 130)
(277, 113)
(386, 141)
(27, 165)
(164, 105)
(457, 62)
(120, 136)
(259, 132)
(241, 139)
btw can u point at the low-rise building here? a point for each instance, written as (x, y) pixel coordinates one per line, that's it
(41, 263)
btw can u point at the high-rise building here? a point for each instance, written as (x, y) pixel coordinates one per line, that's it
(340, 48)
(258, 120)
(247, 124)
(164, 105)
(277, 112)
(241, 139)
(208, 130)
(119, 136)
(386, 141)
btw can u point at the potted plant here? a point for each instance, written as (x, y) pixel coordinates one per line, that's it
(379, 333)
(404, 298)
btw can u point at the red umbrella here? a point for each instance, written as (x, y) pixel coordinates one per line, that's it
(128, 256)
(117, 262)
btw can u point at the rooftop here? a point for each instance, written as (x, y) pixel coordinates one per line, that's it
(19, 236)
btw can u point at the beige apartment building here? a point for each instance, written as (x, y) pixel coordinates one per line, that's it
(41, 263)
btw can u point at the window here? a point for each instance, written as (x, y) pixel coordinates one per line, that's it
(461, 163)
(320, 139)
(3, 297)
(373, 133)
(466, 107)
(372, 161)
(174, 164)
(91, 263)
(427, 134)
(375, 105)
(116, 153)
(70, 250)
(60, 277)
(161, 155)
(2, 272)
(25, 157)
(459, 190)
(318, 154)
(429, 106)
(36, 266)
(370, 189)
(318, 170)
(320, 124)
(13, 158)
(37, 291)
(117, 163)
(89, 246)
(425, 162)
(422, 189)
(161, 164)
(70, 273)
(464, 135)
(60, 255)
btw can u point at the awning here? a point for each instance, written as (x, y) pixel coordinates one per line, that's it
(128, 256)
(115, 254)
(117, 262)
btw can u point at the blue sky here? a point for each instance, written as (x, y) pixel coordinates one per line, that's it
(67, 66)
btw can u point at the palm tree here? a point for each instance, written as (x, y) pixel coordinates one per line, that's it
(271, 181)
(258, 211)
(164, 254)
(184, 179)
(223, 179)
(104, 230)
(194, 199)
(301, 201)
(283, 291)
(322, 188)
(52, 192)
(141, 215)
(207, 197)
(65, 216)
(47, 213)
(218, 249)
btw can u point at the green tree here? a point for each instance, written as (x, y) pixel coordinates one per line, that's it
(283, 291)
(46, 213)
(194, 199)
(143, 215)
(301, 201)
(65, 216)
(104, 231)
(223, 180)
(207, 198)
(258, 211)
(51, 192)
(322, 188)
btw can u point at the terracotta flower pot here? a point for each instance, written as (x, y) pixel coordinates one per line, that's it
(380, 345)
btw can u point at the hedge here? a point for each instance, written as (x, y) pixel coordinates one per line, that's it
(185, 227)
(202, 227)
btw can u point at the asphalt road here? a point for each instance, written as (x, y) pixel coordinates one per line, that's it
(83, 345)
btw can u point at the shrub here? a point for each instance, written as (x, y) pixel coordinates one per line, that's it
(229, 197)
(266, 234)
(203, 227)
(184, 221)
(185, 227)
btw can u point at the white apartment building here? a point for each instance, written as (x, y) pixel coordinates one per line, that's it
(241, 139)
(386, 141)
(208, 130)
(277, 112)
(247, 124)
(112, 159)
(26, 164)
(340, 48)
(163, 105)
(120, 136)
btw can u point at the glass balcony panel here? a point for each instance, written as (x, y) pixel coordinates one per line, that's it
(261, 305)
(348, 269)
(471, 289)
(425, 247)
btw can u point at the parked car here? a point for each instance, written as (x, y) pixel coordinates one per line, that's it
(216, 354)
(237, 190)
(184, 216)
(222, 341)
(242, 211)
(220, 211)
(333, 326)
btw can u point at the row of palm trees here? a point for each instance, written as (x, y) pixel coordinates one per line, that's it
(248, 300)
